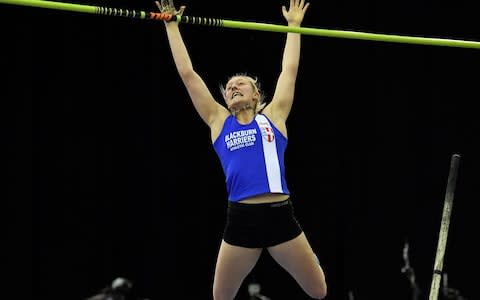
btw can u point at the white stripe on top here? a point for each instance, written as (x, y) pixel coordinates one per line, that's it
(272, 163)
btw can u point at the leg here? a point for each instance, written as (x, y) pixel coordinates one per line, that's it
(297, 257)
(233, 265)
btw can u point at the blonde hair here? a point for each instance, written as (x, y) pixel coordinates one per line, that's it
(255, 84)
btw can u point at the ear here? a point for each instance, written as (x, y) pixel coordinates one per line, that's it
(256, 96)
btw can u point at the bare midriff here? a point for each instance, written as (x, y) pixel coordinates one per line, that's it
(265, 198)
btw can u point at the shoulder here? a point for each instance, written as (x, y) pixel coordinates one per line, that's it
(219, 123)
(275, 120)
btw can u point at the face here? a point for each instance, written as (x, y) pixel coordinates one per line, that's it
(240, 91)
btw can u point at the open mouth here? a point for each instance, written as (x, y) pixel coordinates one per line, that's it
(235, 94)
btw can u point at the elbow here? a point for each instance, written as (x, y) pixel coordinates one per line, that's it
(289, 72)
(186, 73)
(290, 68)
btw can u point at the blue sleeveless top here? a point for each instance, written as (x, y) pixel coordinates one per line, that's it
(252, 158)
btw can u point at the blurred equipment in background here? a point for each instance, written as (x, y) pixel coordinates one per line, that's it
(447, 293)
(450, 293)
(350, 295)
(409, 272)
(254, 292)
(119, 289)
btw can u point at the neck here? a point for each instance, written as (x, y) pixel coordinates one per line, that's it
(244, 115)
(236, 111)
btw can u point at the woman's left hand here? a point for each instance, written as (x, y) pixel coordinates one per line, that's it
(294, 15)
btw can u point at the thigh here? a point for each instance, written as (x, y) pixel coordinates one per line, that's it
(297, 257)
(234, 263)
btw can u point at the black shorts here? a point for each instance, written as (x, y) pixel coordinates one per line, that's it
(260, 225)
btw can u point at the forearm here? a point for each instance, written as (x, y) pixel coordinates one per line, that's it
(291, 54)
(179, 51)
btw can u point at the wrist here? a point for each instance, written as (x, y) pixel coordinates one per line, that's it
(171, 23)
(294, 24)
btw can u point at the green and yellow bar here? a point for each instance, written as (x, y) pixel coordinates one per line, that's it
(140, 14)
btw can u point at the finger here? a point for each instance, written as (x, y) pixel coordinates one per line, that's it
(306, 6)
(182, 8)
(164, 4)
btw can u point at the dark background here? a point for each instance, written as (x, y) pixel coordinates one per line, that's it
(111, 171)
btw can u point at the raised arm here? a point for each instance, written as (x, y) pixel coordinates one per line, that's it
(209, 110)
(281, 104)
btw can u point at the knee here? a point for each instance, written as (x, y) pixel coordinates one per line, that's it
(318, 292)
(223, 294)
